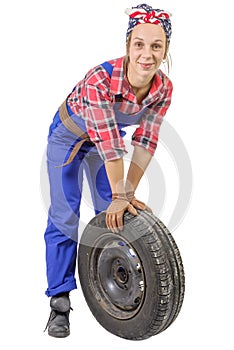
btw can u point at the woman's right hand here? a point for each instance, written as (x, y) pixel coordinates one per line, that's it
(115, 213)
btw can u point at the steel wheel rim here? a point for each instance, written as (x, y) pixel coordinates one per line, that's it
(117, 277)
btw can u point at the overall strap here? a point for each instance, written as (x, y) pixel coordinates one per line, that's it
(108, 67)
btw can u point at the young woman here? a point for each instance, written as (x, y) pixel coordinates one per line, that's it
(87, 136)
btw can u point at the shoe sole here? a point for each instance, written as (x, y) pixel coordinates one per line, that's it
(59, 334)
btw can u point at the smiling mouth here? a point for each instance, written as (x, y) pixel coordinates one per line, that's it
(146, 65)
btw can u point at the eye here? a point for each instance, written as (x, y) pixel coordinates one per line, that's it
(157, 47)
(138, 44)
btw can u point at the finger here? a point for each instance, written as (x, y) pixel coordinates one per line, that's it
(132, 210)
(138, 205)
(112, 223)
(148, 209)
(119, 219)
(108, 221)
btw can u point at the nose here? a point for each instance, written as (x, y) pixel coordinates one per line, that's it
(147, 52)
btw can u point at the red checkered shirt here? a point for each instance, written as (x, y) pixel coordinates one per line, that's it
(93, 99)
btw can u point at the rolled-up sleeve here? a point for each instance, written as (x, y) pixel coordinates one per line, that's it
(147, 134)
(100, 119)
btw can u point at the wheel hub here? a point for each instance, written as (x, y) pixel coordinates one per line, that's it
(120, 275)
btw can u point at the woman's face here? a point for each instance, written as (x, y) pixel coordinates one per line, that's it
(146, 50)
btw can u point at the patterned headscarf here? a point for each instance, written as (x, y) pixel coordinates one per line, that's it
(146, 14)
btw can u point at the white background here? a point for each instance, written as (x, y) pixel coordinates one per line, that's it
(46, 48)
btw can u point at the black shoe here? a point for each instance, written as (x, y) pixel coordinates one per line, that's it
(58, 324)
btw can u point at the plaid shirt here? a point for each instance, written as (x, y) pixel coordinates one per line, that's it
(93, 99)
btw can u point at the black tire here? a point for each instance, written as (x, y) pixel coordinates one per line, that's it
(133, 282)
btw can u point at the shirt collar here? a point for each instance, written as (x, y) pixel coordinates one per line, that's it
(157, 89)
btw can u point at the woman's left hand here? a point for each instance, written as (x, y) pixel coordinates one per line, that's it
(140, 205)
(136, 203)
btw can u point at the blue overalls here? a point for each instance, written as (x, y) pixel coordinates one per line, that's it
(61, 235)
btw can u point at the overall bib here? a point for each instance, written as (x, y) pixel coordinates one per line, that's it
(61, 235)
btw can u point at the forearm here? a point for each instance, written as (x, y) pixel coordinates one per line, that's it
(115, 174)
(140, 160)
(115, 171)
(119, 204)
